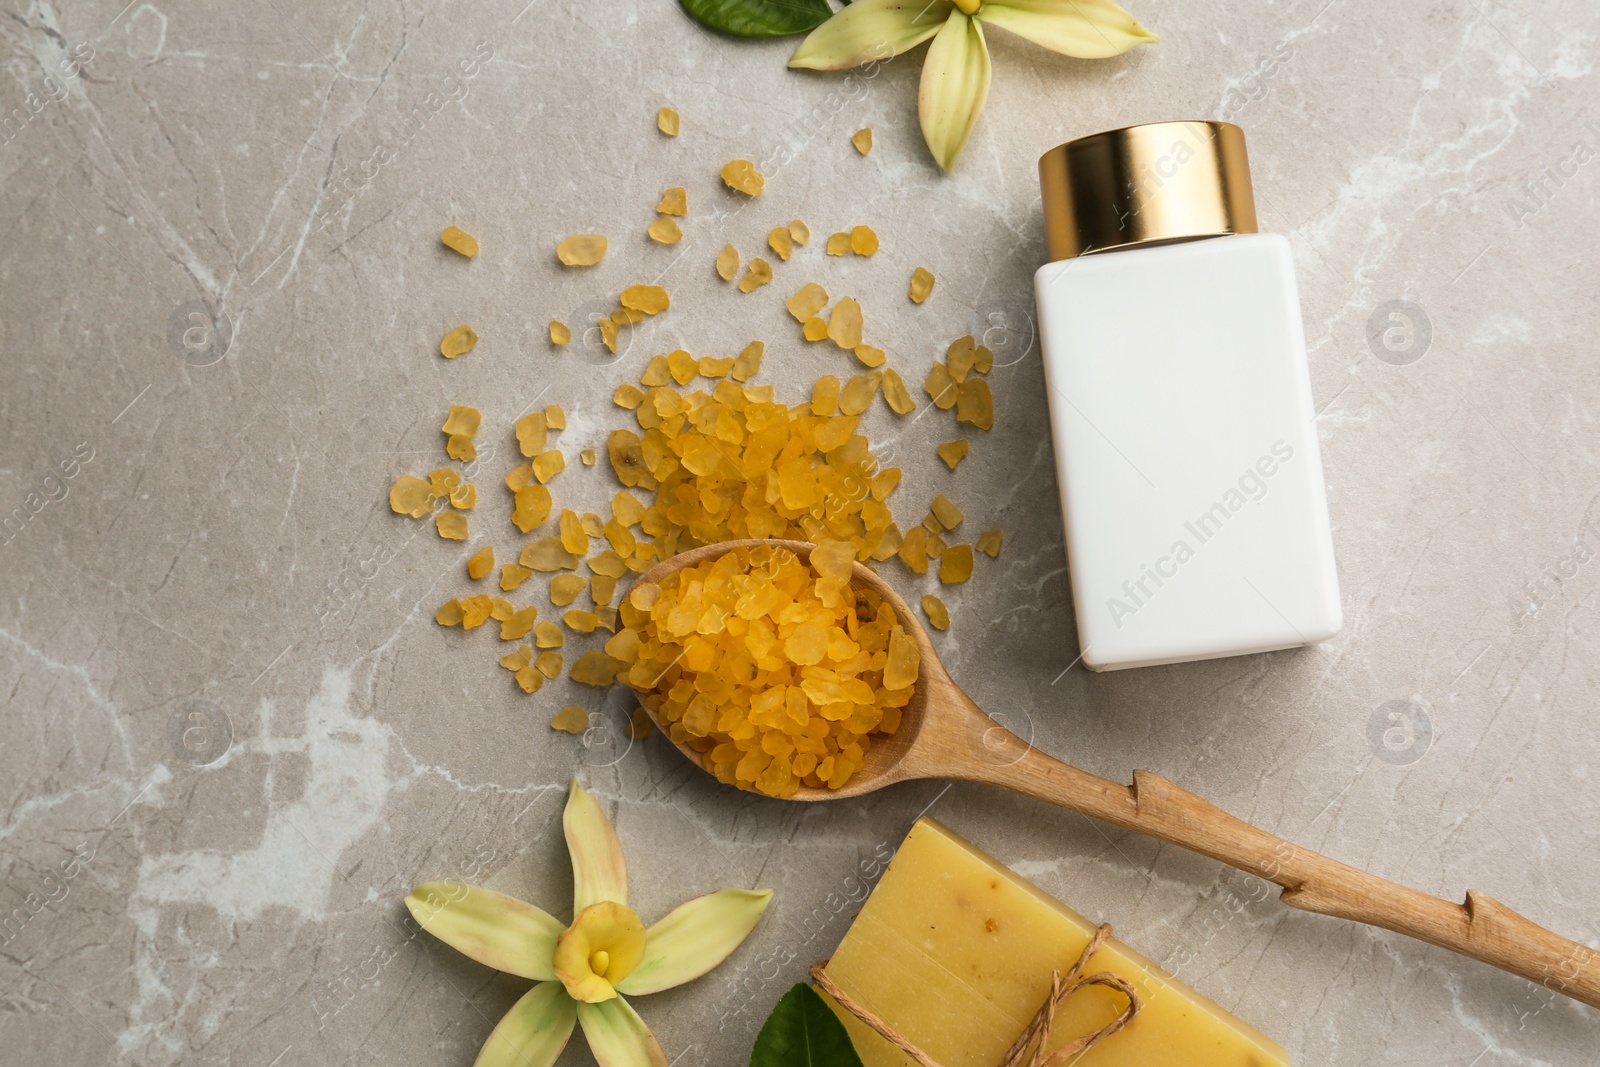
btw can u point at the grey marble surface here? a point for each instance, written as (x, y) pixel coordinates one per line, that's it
(220, 282)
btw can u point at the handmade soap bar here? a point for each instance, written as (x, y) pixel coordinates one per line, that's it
(955, 952)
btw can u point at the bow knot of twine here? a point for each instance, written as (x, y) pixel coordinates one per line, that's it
(1029, 1048)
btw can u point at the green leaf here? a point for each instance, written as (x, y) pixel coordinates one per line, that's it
(803, 1031)
(759, 18)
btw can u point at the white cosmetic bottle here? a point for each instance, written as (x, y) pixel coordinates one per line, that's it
(1180, 403)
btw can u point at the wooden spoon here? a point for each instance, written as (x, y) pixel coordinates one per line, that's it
(943, 734)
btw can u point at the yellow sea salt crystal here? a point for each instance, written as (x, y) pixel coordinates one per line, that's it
(531, 507)
(475, 610)
(715, 367)
(974, 404)
(462, 421)
(650, 299)
(759, 273)
(532, 430)
(858, 392)
(519, 477)
(914, 549)
(940, 387)
(741, 176)
(862, 139)
(665, 230)
(500, 609)
(989, 543)
(748, 363)
(805, 304)
(894, 393)
(825, 396)
(588, 457)
(595, 668)
(555, 417)
(458, 240)
(571, 720)
(464, 497)
(656, 372)
(839, 244)
(530, 680)
(443, 482)
(960, 358)
(667, 121)
(547, 465)
(548, 554)
(560, 333)
(728, 262)
(781, 242)
(602, 588)
(449, 614)
(921, 284)
(799, 232)
(936, 546)
(955, 564)
(947, 513)
(623, 316)
(460, 446)
(626, 509)
(458, 342)
(844, 324)
(585, 622)
(674, 201)
(938, 614)
(548, 635)
(608, 334)
(815, 329)
(983, 362)
(412, 496)
(627, 461)
(608, 563)
(627, 396)
(903, 663)
(868, 356)
(481, 563)
(682, 366)
(516, 625)
(883, 483)
(863, 242)
(573, 537)
(564, 589)
(582, 249)
(517, 659)
(548, 664)
(953, 452)
(513, 575)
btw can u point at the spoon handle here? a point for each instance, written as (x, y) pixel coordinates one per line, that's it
(1481, 928)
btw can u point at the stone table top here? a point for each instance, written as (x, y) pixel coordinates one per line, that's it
(235, 736)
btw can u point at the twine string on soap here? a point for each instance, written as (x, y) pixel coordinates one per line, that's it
(1029, 1048)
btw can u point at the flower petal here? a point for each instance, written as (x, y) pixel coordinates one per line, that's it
(618, 1037)
(695, 937)
(492, 928)
(1087, 29)
(598, 870)
(870, 30)
(533, 1032)
(955, 83)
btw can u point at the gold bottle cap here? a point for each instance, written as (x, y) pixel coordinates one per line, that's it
(1162, 181)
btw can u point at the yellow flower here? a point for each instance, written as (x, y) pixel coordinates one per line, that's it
(955, 74)
(583, 970)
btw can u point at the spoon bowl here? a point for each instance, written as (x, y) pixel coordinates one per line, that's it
(885, 761)
(943, 734)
